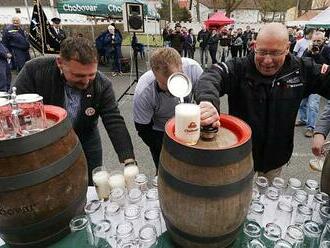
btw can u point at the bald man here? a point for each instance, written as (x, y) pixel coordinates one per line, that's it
(264, 89)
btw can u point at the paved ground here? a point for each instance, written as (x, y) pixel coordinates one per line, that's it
(298, 166)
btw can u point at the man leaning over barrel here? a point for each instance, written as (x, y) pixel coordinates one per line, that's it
(72, 81)
(264, 89)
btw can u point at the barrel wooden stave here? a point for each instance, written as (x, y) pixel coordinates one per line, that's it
(39, 214)
(198, 219)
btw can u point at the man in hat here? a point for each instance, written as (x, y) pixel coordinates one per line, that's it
(57, 32)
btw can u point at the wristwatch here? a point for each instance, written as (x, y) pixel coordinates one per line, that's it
(130, 161)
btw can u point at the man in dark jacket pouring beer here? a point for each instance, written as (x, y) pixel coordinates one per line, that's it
(264, 89)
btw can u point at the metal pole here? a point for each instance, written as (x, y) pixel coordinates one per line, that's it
(27, 10)
(41, 30)
(51, 3)
(171, 14)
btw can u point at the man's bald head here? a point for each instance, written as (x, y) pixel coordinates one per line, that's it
(272, 46)
(274, 30)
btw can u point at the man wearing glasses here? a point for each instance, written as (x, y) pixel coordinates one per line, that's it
(264, 89)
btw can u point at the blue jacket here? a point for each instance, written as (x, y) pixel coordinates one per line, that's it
(15, 38)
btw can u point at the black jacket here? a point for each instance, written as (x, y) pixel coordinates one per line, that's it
(268, 104)
(41, 75)
(203, 37)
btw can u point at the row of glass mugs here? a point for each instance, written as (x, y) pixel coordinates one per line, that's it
(297, 205)
(105, 182)
(21, 115)
(99, 235)
(309, 235)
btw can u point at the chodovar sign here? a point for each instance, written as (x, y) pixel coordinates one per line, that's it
(100, 7)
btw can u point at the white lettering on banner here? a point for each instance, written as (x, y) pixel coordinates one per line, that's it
(79, 8)
(114, 8)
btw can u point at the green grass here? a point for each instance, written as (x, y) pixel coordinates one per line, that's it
(154, 40)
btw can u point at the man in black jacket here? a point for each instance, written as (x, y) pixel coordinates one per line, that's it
(72, 81)
(264, 89)
(203, 38)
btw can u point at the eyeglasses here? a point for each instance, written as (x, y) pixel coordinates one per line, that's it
(274, 54)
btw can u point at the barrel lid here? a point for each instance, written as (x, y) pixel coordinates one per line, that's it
(28, 98)
(233, 133)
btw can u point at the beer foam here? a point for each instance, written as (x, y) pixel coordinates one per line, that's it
(187, 109)
(100, 177)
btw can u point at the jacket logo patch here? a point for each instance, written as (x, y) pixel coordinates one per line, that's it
(90, 111)
(294, 82)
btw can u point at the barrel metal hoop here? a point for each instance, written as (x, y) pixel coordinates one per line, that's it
(44, 224)
(199, 239)
(29, 143)
(190, 189)
(201, 157)
(42, 174)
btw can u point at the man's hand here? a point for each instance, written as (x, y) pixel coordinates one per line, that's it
(9, 55)
(318, 141)
(209, 114)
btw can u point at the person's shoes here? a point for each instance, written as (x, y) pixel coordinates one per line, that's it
(316, 164)
(300, 123)
(120, 73)
(309, 133)
(114, 74)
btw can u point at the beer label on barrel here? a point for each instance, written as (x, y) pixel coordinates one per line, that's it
(90, 111)
(19, 210)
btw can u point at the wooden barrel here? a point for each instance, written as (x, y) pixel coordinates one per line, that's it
(43, 183)
(205, 189)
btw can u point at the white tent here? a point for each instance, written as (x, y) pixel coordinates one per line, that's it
(321, 20)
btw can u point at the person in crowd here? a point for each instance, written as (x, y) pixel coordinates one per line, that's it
(240, 47)
(309, 107)
(57, 31)
(252, 43)
(185, 45)
(236, 44)
(177, 39)
(203, 38)
(265, 90)
(302, 44)
(247, 35)
(153, 105)
(213, 45)
(166, 36)
(292, 39)
(71, 80)
(116, 39)
(190, 43)
(5, 74)
(137, 47)
(15, 40)
(321, 132)
(224, 43)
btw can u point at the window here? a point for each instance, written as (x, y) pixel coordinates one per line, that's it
(18, 10)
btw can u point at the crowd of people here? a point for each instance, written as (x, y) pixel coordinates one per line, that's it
(268, 76)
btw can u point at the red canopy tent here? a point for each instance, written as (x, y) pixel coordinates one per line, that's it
(218, 20)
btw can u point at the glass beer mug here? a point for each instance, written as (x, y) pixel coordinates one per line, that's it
(32, 114)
